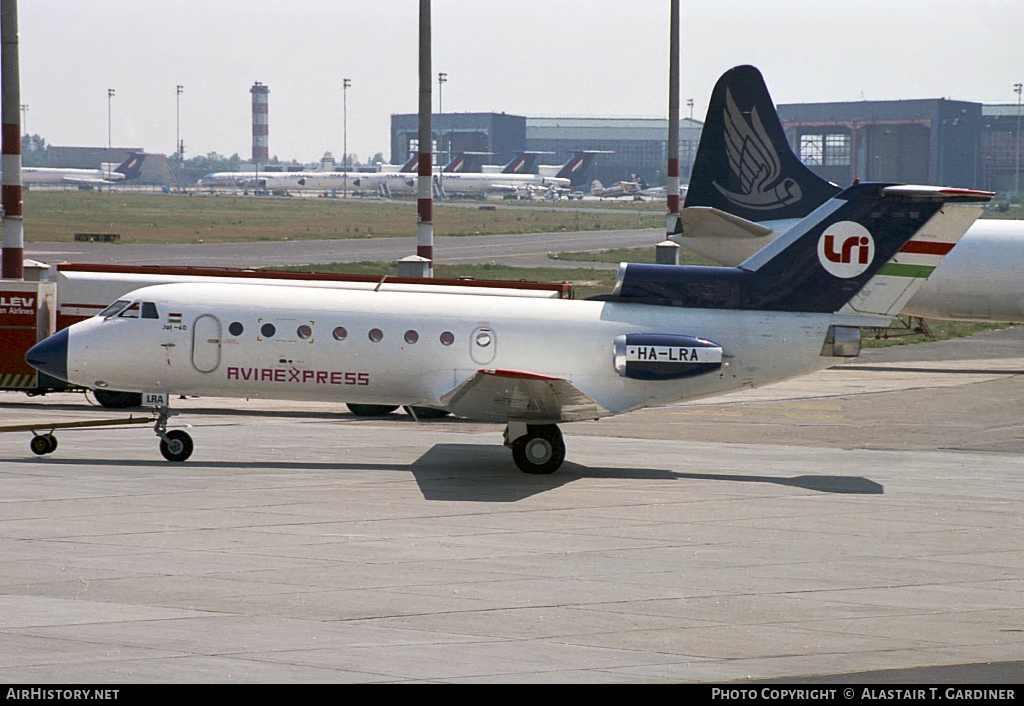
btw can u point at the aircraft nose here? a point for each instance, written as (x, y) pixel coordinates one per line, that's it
(50, 355)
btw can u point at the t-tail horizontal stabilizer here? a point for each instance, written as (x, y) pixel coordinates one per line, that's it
(893, 234)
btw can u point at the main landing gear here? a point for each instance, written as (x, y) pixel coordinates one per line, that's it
(175, 445)
(536, 448)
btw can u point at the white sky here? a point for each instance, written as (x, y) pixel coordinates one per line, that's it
(526, 57)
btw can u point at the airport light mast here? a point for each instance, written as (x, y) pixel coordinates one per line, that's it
(673, 223)
(12, 259)
(425, 168)
(442, 78)
(345, 83)
(110, 99)
(1016, 178)
(177, 130)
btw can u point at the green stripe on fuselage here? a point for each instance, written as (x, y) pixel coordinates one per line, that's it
(922, 271)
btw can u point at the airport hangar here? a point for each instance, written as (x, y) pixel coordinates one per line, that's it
(935, 141)
(636, 145)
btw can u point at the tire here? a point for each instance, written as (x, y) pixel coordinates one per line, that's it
(52, 441)
(540, 451)
(40, 445)
(112, 399)
(371, 410)
(429, 413)
(177, 447)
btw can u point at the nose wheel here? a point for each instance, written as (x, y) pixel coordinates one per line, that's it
(539, 450)
(175, 445)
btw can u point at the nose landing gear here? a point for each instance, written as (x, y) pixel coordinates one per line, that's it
(175, 445)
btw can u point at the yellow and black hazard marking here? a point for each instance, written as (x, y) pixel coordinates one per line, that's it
(14, 380)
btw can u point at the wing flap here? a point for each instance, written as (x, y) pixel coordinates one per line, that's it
(503, 395)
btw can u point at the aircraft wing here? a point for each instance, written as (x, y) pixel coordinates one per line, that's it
(501, 395)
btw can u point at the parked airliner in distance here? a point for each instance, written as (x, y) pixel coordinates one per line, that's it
(403, 179)
(130, 168)
(664, 334)
(747, 187)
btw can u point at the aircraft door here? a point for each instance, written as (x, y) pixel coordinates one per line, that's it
(206, 343)
(483, 345)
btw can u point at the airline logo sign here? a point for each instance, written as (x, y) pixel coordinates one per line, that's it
(755, 163)
(846, 249)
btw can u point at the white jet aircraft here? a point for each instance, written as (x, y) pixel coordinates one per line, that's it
(747, 187)
(85, 178)
(665, 333)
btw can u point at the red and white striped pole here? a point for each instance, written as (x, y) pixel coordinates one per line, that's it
(13, 257)
(673, 225)
(425, 168)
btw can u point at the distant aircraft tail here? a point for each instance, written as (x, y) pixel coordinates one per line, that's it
(132, 166)
(466, 162)
(575, 168)
(866, 251)
(744, 165)
(523, 163)
(411, 164)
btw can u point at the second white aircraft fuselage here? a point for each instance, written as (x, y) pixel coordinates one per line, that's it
(413, 349)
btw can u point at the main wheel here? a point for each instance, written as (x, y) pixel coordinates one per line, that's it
(177, 447)
(540, 450)
(371, 410)
(51, 440)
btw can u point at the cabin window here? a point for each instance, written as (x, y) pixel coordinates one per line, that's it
(304, 331)
(340, 334)
(411, 336)
(236, 328)
(131, 312)
(268, 330)
(149, 311)
(376, 335)
(447, 338)
(483, 339)
(115, 308)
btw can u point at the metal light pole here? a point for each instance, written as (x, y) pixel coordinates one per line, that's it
(12, 257)
(110, 97)
(177, 130)
(442, 78)
(345, 83)
(1016, 179)
(673, 223)
(425, 168)
(24, 117)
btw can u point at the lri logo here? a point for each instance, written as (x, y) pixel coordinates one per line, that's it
(846, 249)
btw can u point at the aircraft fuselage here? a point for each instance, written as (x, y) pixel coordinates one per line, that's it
(413, 349)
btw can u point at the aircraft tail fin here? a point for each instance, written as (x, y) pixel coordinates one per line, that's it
(410, 165)
(523, 163)
(863, 252)
(744, 164)
(466, 162)
(131, 167)
(575, 168)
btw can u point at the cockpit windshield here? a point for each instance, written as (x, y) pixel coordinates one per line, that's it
(115, 308)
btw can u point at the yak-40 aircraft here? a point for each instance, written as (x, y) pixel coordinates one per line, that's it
(664, 334)
(747, 187)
